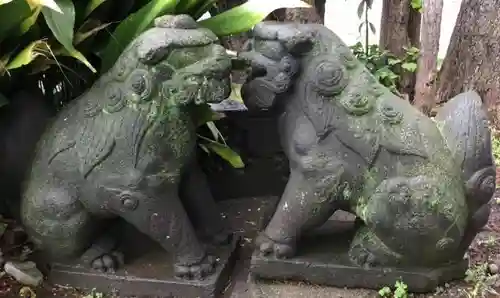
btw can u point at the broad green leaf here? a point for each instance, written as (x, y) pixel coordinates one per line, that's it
(12, 14)
(361, 9)
(62, 26)
(409, 66)
(89, 28)
(29, 22)
(226, 153)
(28, 54)
(214, 130)
(51, 4)
(185, 6)
(93, 4)
(131, 27)
(236, 92)
(243, 17)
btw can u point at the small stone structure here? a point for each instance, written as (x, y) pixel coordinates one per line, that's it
(124, 152)
(418, 187)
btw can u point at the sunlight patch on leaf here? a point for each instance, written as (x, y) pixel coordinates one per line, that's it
(245, 16)
(51, 4)
(28, 54)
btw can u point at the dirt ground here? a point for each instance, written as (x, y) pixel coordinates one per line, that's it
(484, 252)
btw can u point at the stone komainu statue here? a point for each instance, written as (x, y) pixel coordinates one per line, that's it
(419, 186)
(122, 149)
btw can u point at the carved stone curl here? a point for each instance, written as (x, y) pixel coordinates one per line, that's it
(419, 186)
(123, 148)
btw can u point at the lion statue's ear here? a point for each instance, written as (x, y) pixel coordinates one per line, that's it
(171, 32)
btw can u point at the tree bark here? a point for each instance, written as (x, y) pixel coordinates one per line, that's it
(473, 57)
(316, 14)
(400, 27)
(427, 62)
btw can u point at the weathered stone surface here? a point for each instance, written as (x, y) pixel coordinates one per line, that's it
(149, 272)
(418, 187)
(322, 259)
(125, 152)
(25, 273)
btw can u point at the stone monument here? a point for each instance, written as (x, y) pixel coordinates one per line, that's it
(121, 157)
(419, 187)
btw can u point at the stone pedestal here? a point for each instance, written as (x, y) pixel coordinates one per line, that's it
(148, 272)
(322, 260)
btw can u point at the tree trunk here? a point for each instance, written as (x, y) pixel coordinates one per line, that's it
(316, 14)
(473, 57)
(427, 62)
(400, 27)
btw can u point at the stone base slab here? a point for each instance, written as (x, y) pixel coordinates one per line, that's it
(322, 260)
(149, 274)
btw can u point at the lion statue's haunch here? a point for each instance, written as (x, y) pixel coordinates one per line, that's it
(419, 186)
(122, 149)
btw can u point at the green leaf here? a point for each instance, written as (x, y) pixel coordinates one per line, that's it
(185, 6)
(393, 61)
(89, 28)
(12, 14)
(361, 8)
(50, 4)
(28, 54)
(361, 27)
(93, 4)
(131, 27)
(372, 27)
(62, 26)
(236, 92)
(384, 291)
(409, 66)
(226, 153)
(243, 17)
(417, 5)
(29, 22)
(214, 130)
